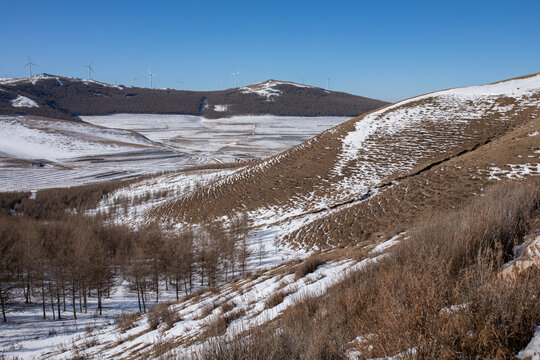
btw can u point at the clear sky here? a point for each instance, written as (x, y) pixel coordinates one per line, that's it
(383, 49)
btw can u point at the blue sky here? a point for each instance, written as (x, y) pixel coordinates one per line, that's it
(383, 49)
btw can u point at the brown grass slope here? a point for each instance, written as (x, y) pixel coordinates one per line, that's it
(442, 187)
(402, 166)
(437, 296)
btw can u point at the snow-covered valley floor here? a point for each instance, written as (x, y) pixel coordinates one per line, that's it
(242, 137)
(113, 149)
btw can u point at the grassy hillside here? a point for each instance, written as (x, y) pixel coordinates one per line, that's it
(373, 174)
(436, 296)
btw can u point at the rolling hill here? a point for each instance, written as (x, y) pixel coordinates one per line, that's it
(372, 176)
(67, 98)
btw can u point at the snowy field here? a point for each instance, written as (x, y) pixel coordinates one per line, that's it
(227, 138)
(123, 146)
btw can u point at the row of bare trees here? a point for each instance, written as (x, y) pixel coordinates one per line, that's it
(65, 263)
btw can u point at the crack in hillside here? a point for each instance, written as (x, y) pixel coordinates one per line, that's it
(391, 182)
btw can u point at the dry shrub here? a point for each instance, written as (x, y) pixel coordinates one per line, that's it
(275, 299)
(215, 327)
(208, 309)
(162, 313)
(439, 293)
(454, 259)
(218, 326)
(126, 321)
(227, 307)
(308, 266)
(234, 315)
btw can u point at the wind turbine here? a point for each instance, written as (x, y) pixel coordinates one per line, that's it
(90, 70)
(236, 78)
(133, 79)
(181, 82)
(29, 64)
(151, 76)
(328, 83)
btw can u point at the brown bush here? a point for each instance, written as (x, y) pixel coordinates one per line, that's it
(218, 326)
(126, 321)
(275, 299)
(308, 266)
(227, 307)
(162, 313)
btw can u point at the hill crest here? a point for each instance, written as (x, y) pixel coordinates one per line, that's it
(67, 98)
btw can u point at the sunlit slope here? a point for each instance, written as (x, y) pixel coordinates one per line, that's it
(354, 162)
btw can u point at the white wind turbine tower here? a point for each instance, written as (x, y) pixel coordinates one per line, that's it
(236, 78)
(181, 82)
(29, 64)
(328, 83)
(133, 79)
(151, 76)
(90, 70)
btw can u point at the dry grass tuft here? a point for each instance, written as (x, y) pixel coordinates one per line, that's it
(308, 266)
(162, 313)
(126, 321)
(276, 299)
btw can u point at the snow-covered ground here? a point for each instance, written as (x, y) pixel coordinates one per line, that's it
(245, 301)
(267, 89)
(226, 138)
(23, 101)
(113, 148)
(26, 335)
(515, 171)
(532, 351)
(32, 138)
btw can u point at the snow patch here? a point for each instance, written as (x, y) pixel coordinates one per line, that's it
(23, 101)
(516, 171)
(221, 108)
(532, 350)
(266, 89)
(387, 244)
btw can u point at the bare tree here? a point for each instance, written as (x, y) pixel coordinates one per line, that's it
(239, 228)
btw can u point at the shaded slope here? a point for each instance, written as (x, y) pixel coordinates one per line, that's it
(68, 97)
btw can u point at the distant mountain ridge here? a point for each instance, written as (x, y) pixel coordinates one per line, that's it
(67, 98)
